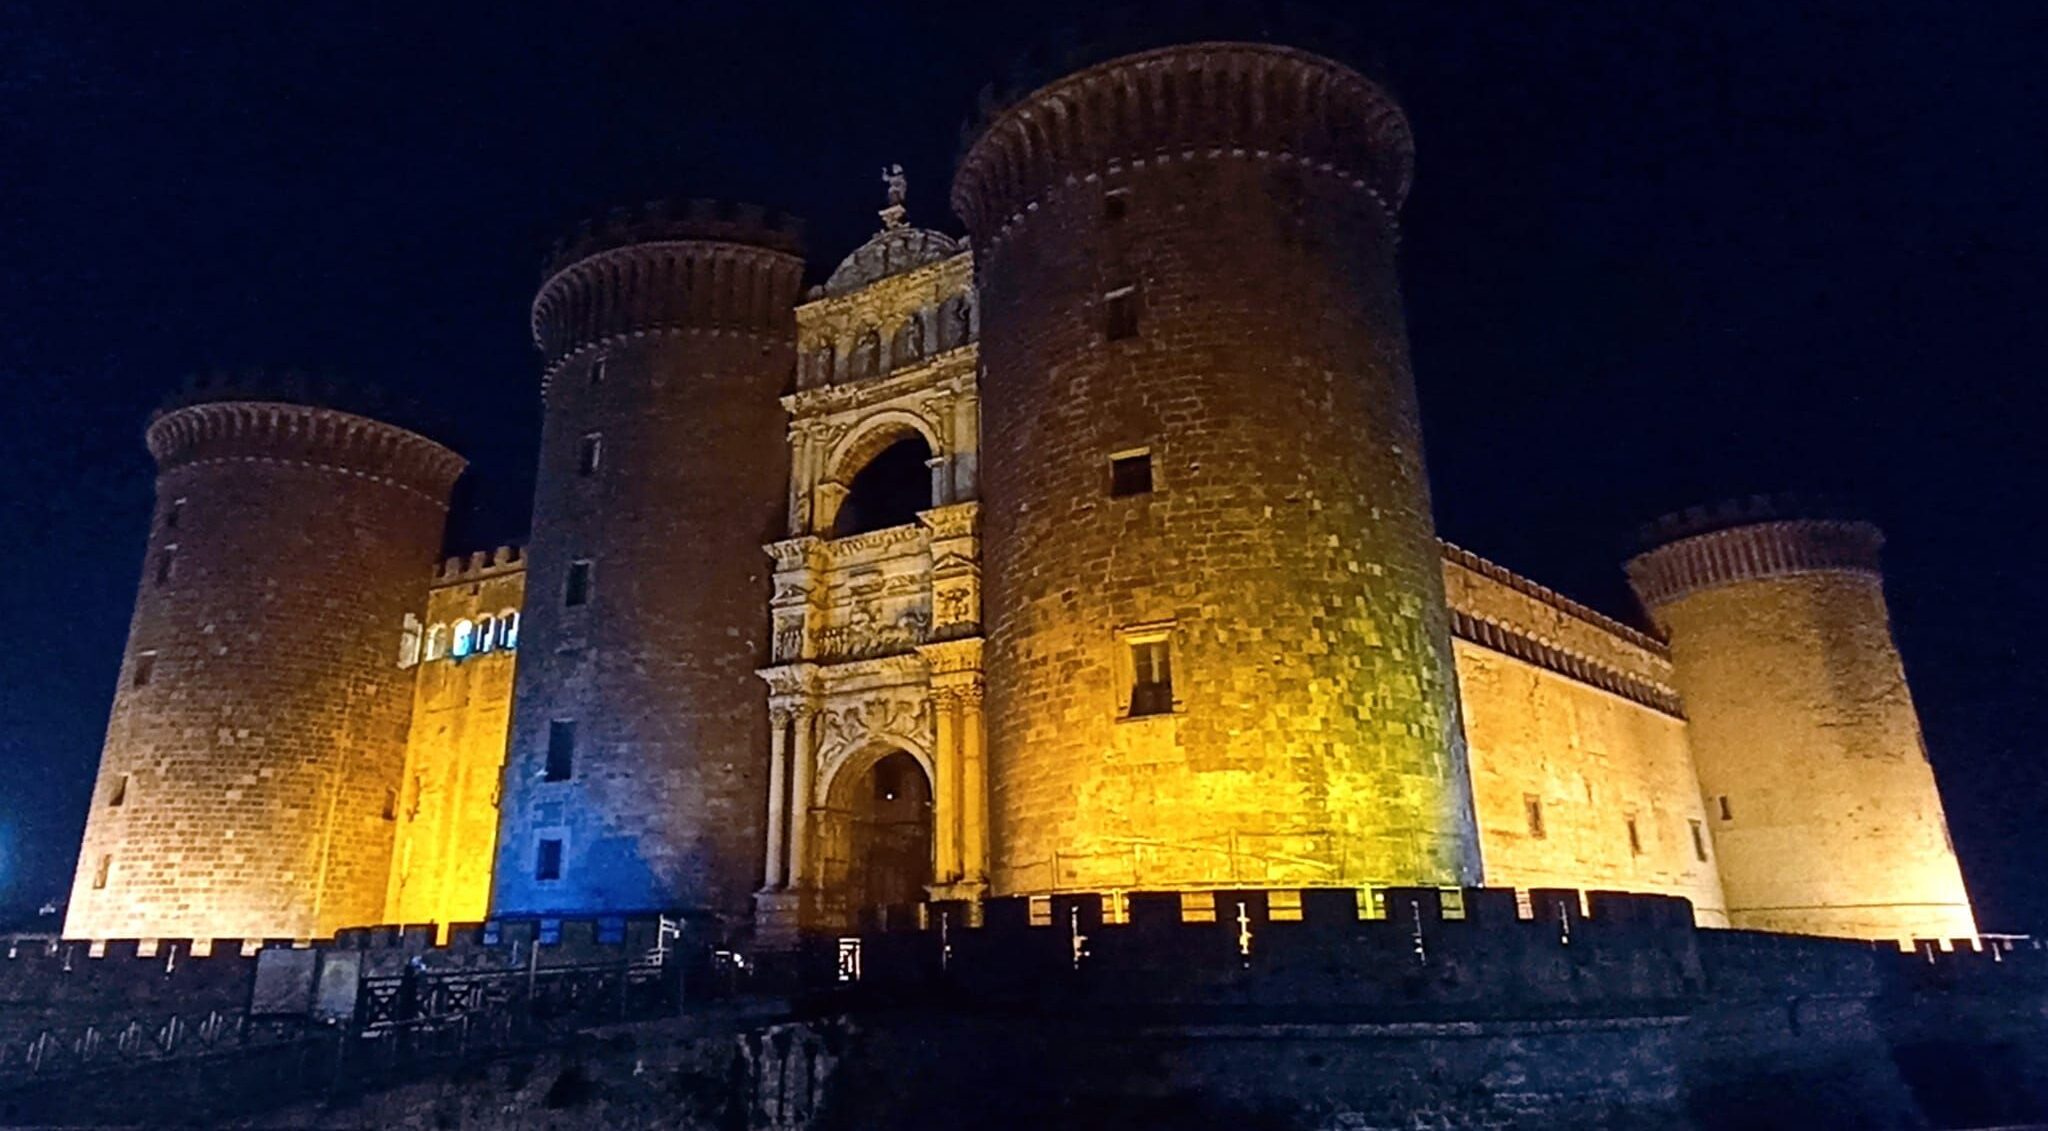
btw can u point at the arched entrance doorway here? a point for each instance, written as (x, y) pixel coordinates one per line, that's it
(877, 843)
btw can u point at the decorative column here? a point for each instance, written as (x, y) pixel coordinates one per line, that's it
(772, 877)
(828, 497)
(960, 795)
(973, 789)
(946, 790)
(804, 777)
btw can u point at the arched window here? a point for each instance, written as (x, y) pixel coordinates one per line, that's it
(821, 365)
(889, 491)
(486, 633)
(409, 642)
(437, 642)
(508, 629)
(867, 355)
(465, 640)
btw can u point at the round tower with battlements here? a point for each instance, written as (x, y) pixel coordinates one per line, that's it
(1823, 805)
(249, 780)
(637, 772)
(1218, 651)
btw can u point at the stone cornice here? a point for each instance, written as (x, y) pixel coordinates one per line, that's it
(1508, 641)
(1755, 552)
(291, 434)
(1458, 555)
(1204, 99)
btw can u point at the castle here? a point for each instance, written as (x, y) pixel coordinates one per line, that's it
(1090, 553)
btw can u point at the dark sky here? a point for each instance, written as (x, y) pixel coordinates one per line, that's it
(1656, 254)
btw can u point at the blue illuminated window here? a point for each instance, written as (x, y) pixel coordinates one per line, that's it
(508, 629)
(465, 639)
(547, 862)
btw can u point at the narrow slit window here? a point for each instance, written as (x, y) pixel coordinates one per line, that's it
(145, 669)
(173, 513)
(102, 871)
(1151, 678)
(589, 455)
(561, 759)
(1635, 837)
(547, 860)
(118, 795)
(508, 629)
(1699, 841)
(166, 562)
(391, 805)
(597, 369)
(1120, 314)
(576, 591)
(1130, 473)
(1726, 813)
(486, 633)
(1532, 810)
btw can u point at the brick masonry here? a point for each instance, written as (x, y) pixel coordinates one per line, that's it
(671, 336)
(1245, 194)
(245, 784)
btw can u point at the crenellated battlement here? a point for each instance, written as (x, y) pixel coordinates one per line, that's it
(1243, 100)
(693, 220)
(1729, 548)
(478, 565)
(213, 431)
(659, 269)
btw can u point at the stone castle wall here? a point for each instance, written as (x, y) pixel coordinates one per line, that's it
(668, 339)
(1826, 811)
(1284, 552)
(257, 739)
(1581, 768)
(455, 752)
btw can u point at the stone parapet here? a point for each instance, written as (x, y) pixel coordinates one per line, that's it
(222, 431)
(1241, 99)
(1752, 552)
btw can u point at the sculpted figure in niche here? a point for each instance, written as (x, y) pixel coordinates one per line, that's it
(956, 323)
(867, 355)
(910, 340)
(821, 366)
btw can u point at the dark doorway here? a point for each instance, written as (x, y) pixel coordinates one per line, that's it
(891, 853)
(889, 491)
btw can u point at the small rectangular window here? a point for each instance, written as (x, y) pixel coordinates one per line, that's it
(118, 795)
(1699, 841)
(165, 562)
(1635, 837)
(1120, 314)
(390, 804)
(172, 513)
(561, 760)
(144, 669)
(1116, 204)
(577, 589)
(547, 861)
(1151, 678)
(588, 455)
(1532, 810)
(100, 873)
(1726, 813)
(1130, 473)
(597, 369)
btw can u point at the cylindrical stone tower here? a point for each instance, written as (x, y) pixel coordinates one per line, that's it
(1823, 806)
(257, 741)
(1218, 648)
(637, 774)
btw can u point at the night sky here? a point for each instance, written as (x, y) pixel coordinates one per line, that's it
(1657, 254)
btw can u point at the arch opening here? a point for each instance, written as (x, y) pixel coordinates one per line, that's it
(888, 490)
(876, 842)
